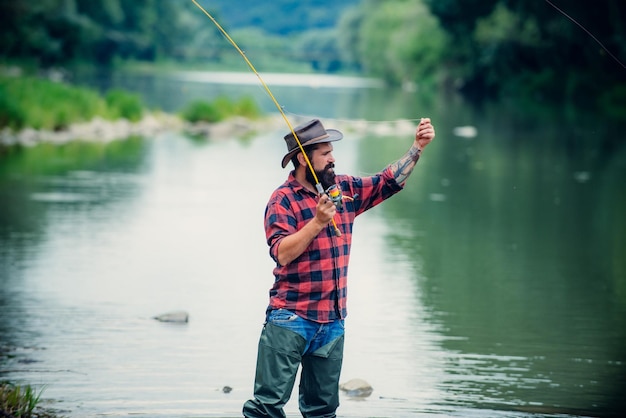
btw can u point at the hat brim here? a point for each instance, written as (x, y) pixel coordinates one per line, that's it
(333, 135)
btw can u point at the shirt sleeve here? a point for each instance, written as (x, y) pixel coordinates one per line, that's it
(370, 191)
(279, 222)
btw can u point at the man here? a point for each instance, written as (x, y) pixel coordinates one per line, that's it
(309, 234)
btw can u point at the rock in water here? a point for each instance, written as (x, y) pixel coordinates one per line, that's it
(176, 316)
(357, 388)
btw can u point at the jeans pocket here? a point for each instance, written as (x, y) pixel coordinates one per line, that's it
(281, 316)
(288, 320)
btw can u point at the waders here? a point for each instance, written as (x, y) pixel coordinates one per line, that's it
(279, 356)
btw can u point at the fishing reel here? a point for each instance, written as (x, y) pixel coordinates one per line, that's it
(335, 195)
(334, 192)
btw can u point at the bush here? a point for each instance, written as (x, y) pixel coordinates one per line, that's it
(11, 114)
(41, 104)
(221, 108)
(200, 111)
(247, 107)
(122, 104)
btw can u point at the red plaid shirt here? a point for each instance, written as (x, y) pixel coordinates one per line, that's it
(314, 285)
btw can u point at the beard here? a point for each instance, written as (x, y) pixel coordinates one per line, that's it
(325, 176)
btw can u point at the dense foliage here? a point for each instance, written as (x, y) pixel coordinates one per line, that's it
(485, 48)
(530, 45)
(398, 40)
(42, 104)
(490, 48)
(59, 32)
(62, 32)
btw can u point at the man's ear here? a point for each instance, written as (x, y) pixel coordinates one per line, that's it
(301, 159)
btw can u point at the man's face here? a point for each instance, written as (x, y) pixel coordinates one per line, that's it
(323, 163)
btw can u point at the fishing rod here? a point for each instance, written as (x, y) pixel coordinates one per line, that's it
(318, 185)
(587, 32)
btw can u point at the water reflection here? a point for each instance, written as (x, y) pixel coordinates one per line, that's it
(520, 267)
(494, 285)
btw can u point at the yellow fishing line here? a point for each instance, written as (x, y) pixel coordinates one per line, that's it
(267, 89)
(233, 43)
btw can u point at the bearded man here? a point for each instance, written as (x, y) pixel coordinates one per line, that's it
(309, 232)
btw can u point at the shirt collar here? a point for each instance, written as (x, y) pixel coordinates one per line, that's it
(296, 186)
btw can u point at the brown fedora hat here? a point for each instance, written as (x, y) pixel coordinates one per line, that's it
(309, 133)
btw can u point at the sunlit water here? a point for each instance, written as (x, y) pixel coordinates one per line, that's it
(469, 293)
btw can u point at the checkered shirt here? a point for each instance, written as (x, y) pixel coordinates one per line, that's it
(314, 285)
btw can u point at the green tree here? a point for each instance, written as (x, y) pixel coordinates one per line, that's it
(529, 47)
(398, 40)
(319, 48)
(61, 32)
(349, 37)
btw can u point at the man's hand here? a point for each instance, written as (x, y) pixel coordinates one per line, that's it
(325, 210)
(424, 133)
(402, 169)
(292, 246)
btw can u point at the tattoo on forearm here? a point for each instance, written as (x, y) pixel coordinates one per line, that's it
(403, 168)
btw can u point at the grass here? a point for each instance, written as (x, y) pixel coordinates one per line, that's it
(30, 102)
(124, 105)
(43, 104)
(221, 108)
(19, 401)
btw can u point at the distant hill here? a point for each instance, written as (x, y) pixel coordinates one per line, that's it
(280, 17)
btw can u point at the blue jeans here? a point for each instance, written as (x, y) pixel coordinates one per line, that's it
(288, 341)
(316, 335)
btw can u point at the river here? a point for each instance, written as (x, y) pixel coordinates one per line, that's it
(494, 285)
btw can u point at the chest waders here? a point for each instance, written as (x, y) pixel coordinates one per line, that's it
(279, 356)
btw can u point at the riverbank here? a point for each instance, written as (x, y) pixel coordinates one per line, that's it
(36, 109)
(97, 129)
(45, 109)
(102, 130)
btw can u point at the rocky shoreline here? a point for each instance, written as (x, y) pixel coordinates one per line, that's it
(101, 130)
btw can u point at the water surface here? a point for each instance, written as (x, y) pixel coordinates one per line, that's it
(493, 286)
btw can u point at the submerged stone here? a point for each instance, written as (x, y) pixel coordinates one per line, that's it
(357, 388)
(175, 316)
